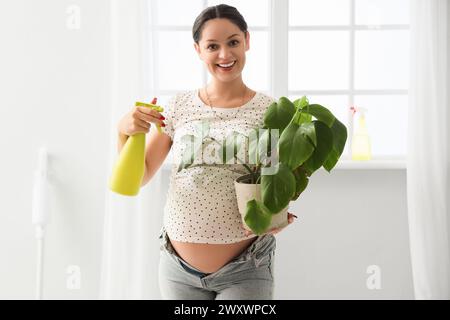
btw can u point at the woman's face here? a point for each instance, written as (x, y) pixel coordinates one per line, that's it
(223, 43)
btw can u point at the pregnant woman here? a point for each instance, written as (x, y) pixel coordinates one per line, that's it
(205, 251)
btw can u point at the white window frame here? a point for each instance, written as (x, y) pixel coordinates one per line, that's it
(153, 39)
(279, 56)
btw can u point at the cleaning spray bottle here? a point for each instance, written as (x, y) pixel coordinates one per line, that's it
(361, 145)
(128, 172)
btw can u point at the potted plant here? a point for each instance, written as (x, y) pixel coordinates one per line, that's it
(283, 166)
(282, 156)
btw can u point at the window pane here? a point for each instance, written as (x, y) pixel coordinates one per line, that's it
(163, 100)
(377, 12)
(177, 12)
(318, 60)
(256, 70)
(386, 120)
(337, 104)
(382, 59)
(255, 12)
(257, 66)
(319, 12)
(178, 66)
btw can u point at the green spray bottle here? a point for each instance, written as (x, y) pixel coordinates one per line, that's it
(128, 172)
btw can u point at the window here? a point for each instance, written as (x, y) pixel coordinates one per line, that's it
(175, 65)
(338, 53)
(354, 52)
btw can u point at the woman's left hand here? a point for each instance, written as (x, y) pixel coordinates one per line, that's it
(291, 218)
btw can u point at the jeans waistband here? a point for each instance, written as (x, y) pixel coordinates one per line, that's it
(259, 248)
(192, 271)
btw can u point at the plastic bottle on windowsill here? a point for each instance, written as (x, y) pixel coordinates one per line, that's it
(361, 145)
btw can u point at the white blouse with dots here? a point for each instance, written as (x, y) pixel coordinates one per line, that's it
(201, 204)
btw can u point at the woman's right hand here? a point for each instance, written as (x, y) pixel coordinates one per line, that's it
(139, 120)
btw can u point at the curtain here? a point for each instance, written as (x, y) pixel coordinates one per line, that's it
(428, 157)
(131, 224)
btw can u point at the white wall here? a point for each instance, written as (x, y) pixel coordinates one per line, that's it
(448, 112)
(55, 89)
(348, 220)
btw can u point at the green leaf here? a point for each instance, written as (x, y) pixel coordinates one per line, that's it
(265, 147)
(324, 145)
(278, 189)
(304, 117)
(253, 148)
(202, 128)
(257, 217)
(339, 139)
(278, 115)
(188, 153)
(320, 113)
(193, 144)
(301, 181)
(301, 103)
(310, 132)
(260, 145)
(295, 145)
(187, 139)
(231, 146)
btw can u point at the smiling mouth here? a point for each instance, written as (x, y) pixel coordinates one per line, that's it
(227, 66)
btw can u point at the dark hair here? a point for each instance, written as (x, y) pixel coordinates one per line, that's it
(219, 11)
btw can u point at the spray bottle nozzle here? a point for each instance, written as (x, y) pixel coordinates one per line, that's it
(355, 109)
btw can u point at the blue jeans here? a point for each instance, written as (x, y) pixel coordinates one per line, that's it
(249, 276)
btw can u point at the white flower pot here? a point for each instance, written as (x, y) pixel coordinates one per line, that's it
(245, 191)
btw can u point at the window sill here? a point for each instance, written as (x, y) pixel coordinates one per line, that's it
(375, 164)
(346, 164)
(350, 165)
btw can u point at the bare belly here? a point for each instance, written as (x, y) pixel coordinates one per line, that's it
(209, 258)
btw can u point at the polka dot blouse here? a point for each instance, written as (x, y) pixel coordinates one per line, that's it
(201, 204)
